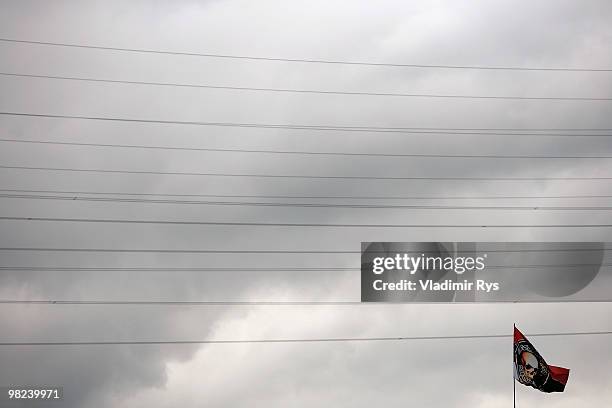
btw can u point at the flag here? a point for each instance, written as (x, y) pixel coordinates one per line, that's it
(531, 369)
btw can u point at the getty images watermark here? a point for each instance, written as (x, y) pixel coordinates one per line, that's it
(484, 272)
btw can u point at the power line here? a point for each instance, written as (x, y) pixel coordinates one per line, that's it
(292, 224)
(251, 269)
(176, 303)
(274, 251)
(295, 176)
(301, 152)
(261, 303)
(308, 205)
(302, 340)
(307, 197)
(171, 269)
(303, 60)
(177, 251)
(305, 91)
(333, 128)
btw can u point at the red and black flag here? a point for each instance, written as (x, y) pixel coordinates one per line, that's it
(531, 369)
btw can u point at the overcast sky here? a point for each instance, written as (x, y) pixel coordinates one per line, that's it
(459, 373)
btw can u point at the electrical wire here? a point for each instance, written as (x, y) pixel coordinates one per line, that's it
(309, 205)
(252, 269)
(333, 128)
(302, 340)
(295, 176)
(293, 224)
(327, 197)
(307, 91)
(302, 152)
(303, 60)
(277, 251)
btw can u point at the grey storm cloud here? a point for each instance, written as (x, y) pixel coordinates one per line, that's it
(433, 374)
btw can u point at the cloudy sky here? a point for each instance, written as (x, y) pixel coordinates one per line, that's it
(458, 373)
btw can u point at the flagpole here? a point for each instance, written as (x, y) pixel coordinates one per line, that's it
(513, 370)
(514, 391)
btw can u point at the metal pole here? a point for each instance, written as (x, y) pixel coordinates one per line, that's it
(514, 391)
(513, 370)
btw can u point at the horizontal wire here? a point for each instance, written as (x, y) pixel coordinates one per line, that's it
(309, 205)
(292, 224)
(175, 303)
(302, 152)
(305, 91)
(171, 269)
(50, 302)
(294, 176)
(302, 340)
(273, 303)
(278, 251)
(371, 129)
(308, 197)
(302, 60)
(252, 269)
